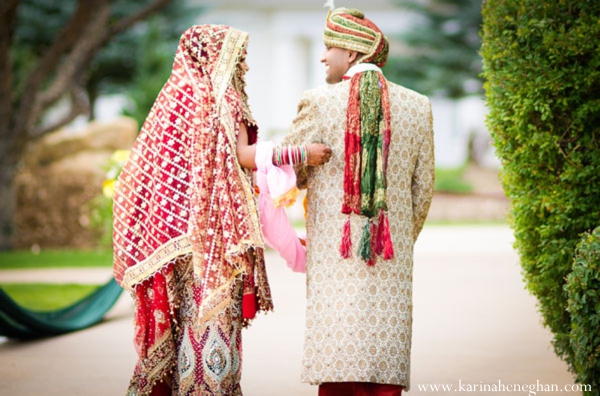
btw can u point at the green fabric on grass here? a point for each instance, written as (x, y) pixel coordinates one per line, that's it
(17, 321)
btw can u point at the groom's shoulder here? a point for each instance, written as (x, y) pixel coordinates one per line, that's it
(326, 91)
(399, 92)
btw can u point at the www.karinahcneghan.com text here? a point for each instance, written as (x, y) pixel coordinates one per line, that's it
(532, 389)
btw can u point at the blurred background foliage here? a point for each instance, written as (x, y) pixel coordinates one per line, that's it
(441, 54)
(452, 181)
(135, 63)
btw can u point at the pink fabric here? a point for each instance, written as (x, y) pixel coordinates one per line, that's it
(275, 182)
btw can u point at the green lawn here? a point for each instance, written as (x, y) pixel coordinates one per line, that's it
(46, 297)
(452, 181)
(24, 259)
(43, 296)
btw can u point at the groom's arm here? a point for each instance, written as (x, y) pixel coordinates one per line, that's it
(304, 130)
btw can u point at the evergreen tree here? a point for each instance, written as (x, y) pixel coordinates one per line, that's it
(442, 49)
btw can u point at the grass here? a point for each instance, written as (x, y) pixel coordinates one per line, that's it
(451, 180)
(46, 297)
(25, 259)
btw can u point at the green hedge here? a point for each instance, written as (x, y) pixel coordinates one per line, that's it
(541, 61)
(583, 291)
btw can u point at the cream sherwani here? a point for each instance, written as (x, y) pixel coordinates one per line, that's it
(359, 318)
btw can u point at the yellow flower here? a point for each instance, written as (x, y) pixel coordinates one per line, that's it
(108, 188)
(120, 155)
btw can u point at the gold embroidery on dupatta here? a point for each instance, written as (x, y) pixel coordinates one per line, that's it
(164, 254)
(233, 45)
(224, 290)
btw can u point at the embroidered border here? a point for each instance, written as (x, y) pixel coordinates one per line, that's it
(161, 256)
(234, 40)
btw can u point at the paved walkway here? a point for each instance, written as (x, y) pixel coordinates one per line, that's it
(474, 324)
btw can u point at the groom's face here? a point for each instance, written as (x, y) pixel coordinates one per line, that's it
(337, 61)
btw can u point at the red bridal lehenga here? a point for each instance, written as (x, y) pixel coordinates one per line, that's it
(187, 238)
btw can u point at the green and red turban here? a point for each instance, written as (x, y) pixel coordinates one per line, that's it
(348, 28)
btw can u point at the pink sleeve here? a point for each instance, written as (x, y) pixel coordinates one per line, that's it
(276, 227)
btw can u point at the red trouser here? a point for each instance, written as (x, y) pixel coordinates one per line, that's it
(358, 389)
(161, 389)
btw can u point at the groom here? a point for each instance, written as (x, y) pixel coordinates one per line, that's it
(365, 210)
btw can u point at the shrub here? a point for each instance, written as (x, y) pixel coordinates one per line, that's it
(583, 291)
(451, 180)
(542, 72)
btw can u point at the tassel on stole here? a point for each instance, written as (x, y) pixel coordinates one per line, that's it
(388, 246)
(364, 249)
(346, 245)
(378, 238)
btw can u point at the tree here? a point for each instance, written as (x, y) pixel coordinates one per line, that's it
(442, 49)
(542, 86)
(154, 59)
(137, 62)
(59, 71)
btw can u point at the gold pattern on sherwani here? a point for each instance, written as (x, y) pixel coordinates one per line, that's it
(183, 204)
(358, 317)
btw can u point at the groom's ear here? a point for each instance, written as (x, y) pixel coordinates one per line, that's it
(353, 56)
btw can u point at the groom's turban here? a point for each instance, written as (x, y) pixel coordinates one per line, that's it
(348, 28)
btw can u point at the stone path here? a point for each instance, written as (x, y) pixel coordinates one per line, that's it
(474, 324)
